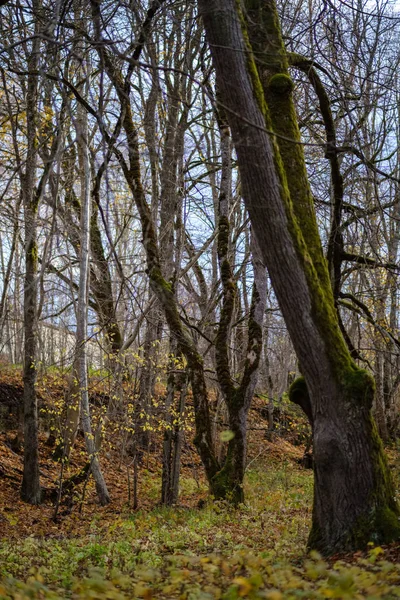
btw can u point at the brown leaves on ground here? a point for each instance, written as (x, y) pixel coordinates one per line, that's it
(76, 512)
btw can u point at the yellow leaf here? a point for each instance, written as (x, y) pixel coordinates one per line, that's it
(274, 595)
(244, 585)
(226, 436)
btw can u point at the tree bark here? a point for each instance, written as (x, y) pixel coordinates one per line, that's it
(228, 482)
(30, 490)
(82, 316)
(354, 496)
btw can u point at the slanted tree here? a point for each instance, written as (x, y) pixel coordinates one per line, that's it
(225, 479)
(353, 495)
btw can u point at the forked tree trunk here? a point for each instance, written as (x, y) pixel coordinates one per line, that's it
(228, 481)
(354, 496)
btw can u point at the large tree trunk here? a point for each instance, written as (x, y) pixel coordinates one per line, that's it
(354, 496)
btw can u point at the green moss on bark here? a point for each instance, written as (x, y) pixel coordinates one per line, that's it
(387, 525)
(386, 509)
(34, 254)
(251, 65)
(380, 526)
(359, 387)
(281, 83)
(227, 484)
(272, 86)
(298, 387)
(378, 518)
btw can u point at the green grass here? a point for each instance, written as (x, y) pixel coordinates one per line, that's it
(255, 551)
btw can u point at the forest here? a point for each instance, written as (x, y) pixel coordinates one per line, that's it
(199, 299)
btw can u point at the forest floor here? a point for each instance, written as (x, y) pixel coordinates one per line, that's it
(185, 552)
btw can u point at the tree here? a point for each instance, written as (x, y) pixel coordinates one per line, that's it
(30, 490)
(225, 479)
(353, 495)
(82, 132)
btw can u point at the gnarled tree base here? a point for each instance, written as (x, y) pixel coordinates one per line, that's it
(354, 501)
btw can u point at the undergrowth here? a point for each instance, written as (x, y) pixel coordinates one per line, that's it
(255, 551)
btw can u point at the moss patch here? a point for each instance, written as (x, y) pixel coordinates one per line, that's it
(281, 83)
(359, 387)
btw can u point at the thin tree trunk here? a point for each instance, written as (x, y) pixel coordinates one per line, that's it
(30, 490)
(178, 441)
(166, 487)
(228, 482)
(81, 328)
(147, 378)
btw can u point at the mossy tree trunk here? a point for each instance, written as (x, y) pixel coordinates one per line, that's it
(336, 253)
(179, 91)
(354, 496)
(166, 488)
(228, 482)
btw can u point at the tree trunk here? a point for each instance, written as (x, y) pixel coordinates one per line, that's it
(354, 495)
(151, 350)
(228, 482)
(81, 326)
(166, 487)
(30, 490)
(73, 415)
(354, 499)
(178, 441)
